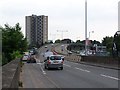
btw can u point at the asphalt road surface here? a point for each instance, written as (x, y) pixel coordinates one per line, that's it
(73, 75)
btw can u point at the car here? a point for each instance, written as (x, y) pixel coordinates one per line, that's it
(31, 60)
(45, 46)
(69, 52)
(54, 61)
(25, 57)
(31, 52)
(52, 44)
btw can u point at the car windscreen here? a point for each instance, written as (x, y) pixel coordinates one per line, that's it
(55, 58)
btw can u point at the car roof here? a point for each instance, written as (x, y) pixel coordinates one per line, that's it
(55, 55)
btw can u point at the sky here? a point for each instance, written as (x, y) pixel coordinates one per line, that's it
(66, 18)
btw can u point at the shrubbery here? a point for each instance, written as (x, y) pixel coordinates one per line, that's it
(13, 43)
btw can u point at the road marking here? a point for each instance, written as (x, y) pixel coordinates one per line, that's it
(109, 77)
(82, 69)
(76, 63)
(52, 81)
(38, 63)
(66, 65)
(42, 68)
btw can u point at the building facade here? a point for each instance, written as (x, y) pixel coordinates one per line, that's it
(36, 30)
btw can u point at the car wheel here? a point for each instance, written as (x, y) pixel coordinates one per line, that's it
(45, 67)
(48, 67)
(61, 68)
(35, 61)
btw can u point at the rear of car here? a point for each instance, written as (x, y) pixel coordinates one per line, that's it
(32, 59)
(25, 57)
(54, 61)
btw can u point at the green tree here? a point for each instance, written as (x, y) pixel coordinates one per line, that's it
(108, 42)
(13, 41)
(58, 41)
(78, 41)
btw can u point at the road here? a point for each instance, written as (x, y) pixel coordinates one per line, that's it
(73, 75)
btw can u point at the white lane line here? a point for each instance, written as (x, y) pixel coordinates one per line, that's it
(109, 77)
(76, 63)
(82, 69)
(66, 65)
(38, 63)
(42, 68)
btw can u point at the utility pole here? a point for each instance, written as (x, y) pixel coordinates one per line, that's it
(86, 39)
(62, 32)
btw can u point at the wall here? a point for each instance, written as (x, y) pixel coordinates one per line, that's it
(10, 74)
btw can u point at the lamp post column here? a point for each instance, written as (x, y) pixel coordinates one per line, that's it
(86, 27)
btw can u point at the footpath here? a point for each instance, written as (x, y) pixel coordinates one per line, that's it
(78, 59)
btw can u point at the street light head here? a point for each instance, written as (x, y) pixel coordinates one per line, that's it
(92, 31)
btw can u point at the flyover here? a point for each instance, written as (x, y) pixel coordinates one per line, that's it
(74, 75)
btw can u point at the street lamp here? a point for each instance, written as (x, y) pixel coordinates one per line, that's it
(62, 32)
(86, 39)
(89, 34)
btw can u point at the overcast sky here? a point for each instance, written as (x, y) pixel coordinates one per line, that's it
(65, 15)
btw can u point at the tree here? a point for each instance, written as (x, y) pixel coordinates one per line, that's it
(78, 41)
(58, 41)
(13, 41)
(108, 42)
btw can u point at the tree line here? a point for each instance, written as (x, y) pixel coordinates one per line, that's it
(13, 42)
(107, 41)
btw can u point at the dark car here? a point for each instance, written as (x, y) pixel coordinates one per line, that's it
(31, 60)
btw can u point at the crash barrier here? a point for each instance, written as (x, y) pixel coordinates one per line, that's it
(10, 74)
(69, 57)
(100, 59)
(92, 59)
(74, 58)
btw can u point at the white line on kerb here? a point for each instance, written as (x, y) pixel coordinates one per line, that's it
(82, 69)
(110, 77)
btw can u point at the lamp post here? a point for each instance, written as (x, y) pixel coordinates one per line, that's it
(62, 32)
(86, 39)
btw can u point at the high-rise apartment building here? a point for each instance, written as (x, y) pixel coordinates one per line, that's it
(119, 15)
(36, 30)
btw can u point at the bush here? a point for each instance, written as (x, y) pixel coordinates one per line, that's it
(16, 54)
(4, 59)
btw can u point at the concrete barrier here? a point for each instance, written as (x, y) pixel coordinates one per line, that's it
(10, 74)
(92, 60)
(101, 60)
(74, 58)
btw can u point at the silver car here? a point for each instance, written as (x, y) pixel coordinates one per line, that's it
(54, 61)
(25, 57)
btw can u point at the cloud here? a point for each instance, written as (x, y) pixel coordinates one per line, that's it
(65, 15)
